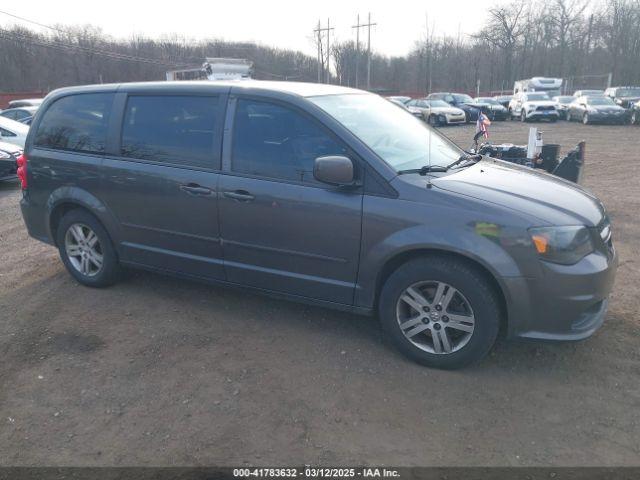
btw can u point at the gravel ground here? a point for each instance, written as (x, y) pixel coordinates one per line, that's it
(159, 371)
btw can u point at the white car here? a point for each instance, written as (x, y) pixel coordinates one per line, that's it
(438, 112)
(13, 132)
(8, 155)
(529, 106)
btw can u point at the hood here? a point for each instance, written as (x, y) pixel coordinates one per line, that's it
(10, 148)
(540, 103)
(551, 200)
(633, 99)
(13, 126)
(607, 108)
(465, 106)
(449, 110)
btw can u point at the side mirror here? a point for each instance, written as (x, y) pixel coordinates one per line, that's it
(334, 170)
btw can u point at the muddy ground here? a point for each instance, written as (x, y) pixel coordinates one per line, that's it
(159, 371)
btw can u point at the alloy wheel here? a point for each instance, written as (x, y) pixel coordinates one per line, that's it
(435, 317)
(83, 249)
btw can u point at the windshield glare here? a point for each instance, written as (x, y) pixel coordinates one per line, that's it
(438, 103)
(490, 101)
(564, 100)
(401, 140)
(629, 92)
(462, 98)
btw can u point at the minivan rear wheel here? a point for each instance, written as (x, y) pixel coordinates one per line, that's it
(86, 250)
(440, 312)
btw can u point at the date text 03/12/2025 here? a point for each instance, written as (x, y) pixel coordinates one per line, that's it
(311, 472)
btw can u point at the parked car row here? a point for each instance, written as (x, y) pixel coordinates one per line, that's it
(617, 105)
(22, 110)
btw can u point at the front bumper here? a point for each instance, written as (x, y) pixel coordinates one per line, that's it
(567, 302)
(455, 119)
(499, 114)
(542, 115)
(609, 118)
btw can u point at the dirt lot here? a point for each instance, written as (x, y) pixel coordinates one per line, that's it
(159, 371)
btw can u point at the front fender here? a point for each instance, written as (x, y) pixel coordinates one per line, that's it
(481, 232)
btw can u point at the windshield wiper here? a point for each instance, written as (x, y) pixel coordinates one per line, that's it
(424, 170)
(465, 158)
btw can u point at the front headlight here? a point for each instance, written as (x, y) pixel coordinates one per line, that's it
(564, 245)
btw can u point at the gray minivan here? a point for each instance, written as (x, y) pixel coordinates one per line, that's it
(320, 194)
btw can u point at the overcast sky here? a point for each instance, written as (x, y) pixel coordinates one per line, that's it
(282, 23)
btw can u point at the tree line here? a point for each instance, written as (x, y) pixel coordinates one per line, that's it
(579, 40)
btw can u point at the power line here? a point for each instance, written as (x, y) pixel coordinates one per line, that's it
(16, 36)
(111, 54)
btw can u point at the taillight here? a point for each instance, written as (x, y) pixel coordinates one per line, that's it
(21, 161)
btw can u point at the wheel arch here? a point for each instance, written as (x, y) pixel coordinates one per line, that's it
(65, 199)
(394, 262)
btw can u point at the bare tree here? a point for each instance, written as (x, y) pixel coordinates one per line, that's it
(504, 30)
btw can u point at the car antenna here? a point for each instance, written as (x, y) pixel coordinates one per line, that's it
(429, 155)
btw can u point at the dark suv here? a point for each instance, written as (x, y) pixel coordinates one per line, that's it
(319, 194)
(623, 96)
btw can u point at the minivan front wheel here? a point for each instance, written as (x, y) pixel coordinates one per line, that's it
(86, 250)
(440, 312)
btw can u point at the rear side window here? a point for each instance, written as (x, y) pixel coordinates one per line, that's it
(171, 129)
(77, 123)
(276, 142)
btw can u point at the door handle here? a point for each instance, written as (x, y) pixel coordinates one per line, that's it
(240, 195)
(195, 189)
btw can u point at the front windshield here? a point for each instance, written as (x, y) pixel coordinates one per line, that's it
(564, 100)
(537, 96)
(401, 140)
(629, 92)
(438, 103)
(461, 98)
(599, 101)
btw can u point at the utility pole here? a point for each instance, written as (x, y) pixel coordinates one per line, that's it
(358, 26)
(319, 32)
(369, 25)
(328, 51)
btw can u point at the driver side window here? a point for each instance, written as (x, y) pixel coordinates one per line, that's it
(276, 142)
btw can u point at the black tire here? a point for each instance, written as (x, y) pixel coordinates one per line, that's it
(470, 282)
(109, 272)
(433, 121)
